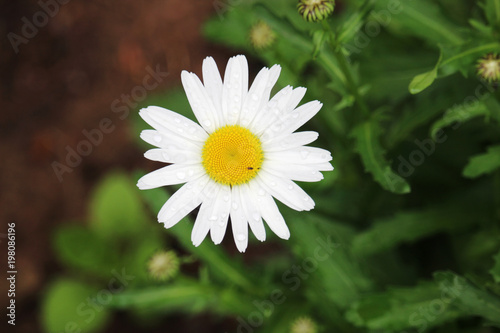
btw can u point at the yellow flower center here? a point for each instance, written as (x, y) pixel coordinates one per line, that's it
(232, 155)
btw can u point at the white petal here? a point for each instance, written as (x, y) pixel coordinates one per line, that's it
(170, 175)
(293, 140)
(201, 103)
(204, 219)
(220, 214)
(235, 88)
(239, 222)
(301, 155)
(164, 139)
(270, 212)
(258, 95)
(272, 112)
(213, 84)
(182, 202)
(285, 191)
(173, 155)
(291, 121)
(297, 172)
(297, 95)
(172, 122)
(248, 202)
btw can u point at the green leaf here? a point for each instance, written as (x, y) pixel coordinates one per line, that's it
(422, 81)
(115, 208)
(409, 226)
(495, 271)
(80, 248)
(367, 136)
(492, 11)
(326, 243)
(66, 308)
(483, 163)
(459, 113)
(418, 18)
(401, 308)
(454, 58)
(471, 300)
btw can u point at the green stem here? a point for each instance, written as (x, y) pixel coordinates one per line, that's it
(346, 69)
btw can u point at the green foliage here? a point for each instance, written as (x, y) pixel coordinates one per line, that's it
(367, 136)
(483, 163)
(65, 308)
(115, 209)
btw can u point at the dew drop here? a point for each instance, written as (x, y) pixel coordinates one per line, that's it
(235, 205)
(157, 138)
(295, 114)
(207, 122)
(255, 97)
(261, 192)
(181, 175)
(180, 130)
(290, 187)
(213, 218)
(272, 184)
(255, 216)
(304, 153)
(241, 237)
(305, 198)
(226, 198)
(165, 156)
(177, 120)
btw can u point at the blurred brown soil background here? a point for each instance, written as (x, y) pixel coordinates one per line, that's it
(61, 82)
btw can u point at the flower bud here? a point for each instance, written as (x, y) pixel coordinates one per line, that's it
(303, 325)
(315, 10)
(261, 35)
(488, 67)
(163, 265)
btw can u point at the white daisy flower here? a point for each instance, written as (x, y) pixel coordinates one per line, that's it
(244, 153)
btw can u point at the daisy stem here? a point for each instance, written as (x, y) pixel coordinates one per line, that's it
(346, 69)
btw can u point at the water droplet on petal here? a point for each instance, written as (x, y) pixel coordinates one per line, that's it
(261, 192)
(272, 184)
(256, 216)
(213, 218)
(290, 187)
(295, 114)
(235, 205)
(177, 120)
(207, 122)
(255, 97)
(241, 237)
(226, 198)
(304, 153)
(181, 175)
(165, 156)
(157, 138)
(305, 198)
